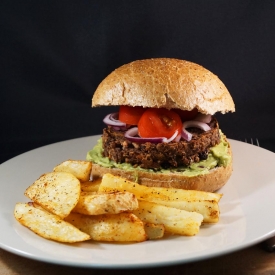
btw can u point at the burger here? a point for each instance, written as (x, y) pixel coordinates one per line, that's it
(164, 133)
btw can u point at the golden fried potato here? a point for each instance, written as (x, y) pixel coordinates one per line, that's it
(92, 203)
(90, 186)
(175, 221)
(154, 231)
(123, 227)
(48, 225)
(57, 192)
(68, 207)
(79, 168)
(209, 209)
(114, 183)
(205, 203)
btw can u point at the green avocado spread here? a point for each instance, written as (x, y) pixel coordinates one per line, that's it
(218, 156)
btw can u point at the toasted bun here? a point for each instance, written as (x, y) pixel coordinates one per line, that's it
(164, 83)
(210, 182)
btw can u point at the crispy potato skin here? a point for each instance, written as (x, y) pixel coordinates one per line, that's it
(205, 203)
(79, 168)
(93, 203)
(47, 225)
(123, 227)
(58, 192)
(111, 208)
(175, 221)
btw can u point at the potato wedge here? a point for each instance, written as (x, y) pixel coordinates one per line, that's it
(123, 227)
(57, 192)
(48, 225)
(175, 221)
(79, 168)
(92, 203)
(154, 231)
(90, 186)
(210, 210)
(114, 183)
(204, 203)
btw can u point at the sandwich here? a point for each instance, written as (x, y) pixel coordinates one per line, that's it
(164, 133)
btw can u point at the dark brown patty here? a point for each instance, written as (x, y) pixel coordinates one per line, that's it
(160, 155)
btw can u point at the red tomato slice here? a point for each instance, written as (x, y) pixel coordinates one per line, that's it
(159, 123)
(130, 115)
(186, 115)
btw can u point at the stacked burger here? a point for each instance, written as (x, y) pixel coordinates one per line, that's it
(165, 133)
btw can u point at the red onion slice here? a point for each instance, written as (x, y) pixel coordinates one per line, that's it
(111, 119)
(132, 133)
(186, 135)
(203, 118)
(178, 137)
(171, 138)
(193, 123)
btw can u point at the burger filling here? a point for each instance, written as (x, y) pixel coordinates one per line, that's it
(161, 141)
(161, 155)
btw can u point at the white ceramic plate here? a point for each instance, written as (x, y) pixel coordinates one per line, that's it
(247, 213)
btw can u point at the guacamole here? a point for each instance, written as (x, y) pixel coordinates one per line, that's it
(217, 156)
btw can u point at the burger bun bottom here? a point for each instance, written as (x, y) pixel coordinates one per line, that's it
(210, 182)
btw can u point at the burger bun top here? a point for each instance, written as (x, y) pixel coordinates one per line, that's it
(164, 83)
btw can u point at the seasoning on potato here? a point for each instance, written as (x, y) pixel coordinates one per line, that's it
(67, 206)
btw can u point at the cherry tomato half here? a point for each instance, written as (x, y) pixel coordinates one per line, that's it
(186, 115)
(159, 123)
(130, 115)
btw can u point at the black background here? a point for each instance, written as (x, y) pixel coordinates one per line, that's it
(53, 54)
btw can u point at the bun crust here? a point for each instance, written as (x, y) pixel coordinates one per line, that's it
(164, 83)
(210, 182)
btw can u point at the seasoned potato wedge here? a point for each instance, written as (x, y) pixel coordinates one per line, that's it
(68, 206)
(48, 225)
(114, 183)
(175, 221)
(205, 203)
(79, 168)
(123, 227)
(209, 209)
(57, 192)
(92, 203)
(154, 231)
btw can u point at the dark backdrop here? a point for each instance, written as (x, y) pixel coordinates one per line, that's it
(53, 54)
